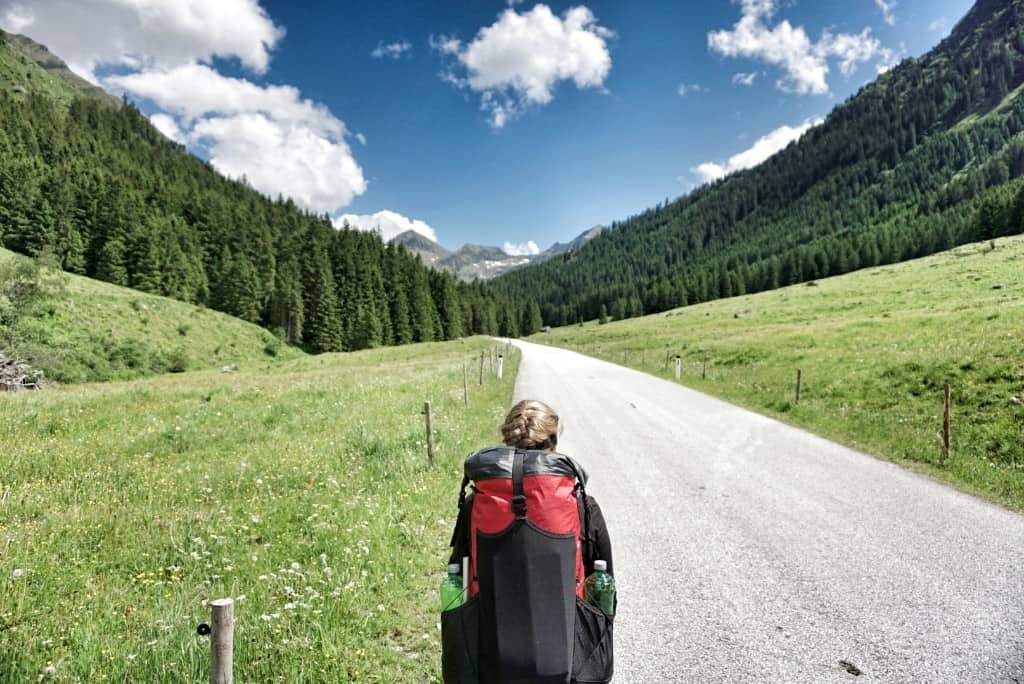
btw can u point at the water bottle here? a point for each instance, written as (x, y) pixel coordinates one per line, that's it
(599, 589)
(451, 588)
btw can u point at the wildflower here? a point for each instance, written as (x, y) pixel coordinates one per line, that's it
(18, 572)
(295, 565)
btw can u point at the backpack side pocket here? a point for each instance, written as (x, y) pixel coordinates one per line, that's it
(593, 653)
(460, 643)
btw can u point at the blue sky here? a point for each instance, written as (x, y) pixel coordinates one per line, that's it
(485, 122)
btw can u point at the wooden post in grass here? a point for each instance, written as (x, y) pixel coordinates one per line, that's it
(799, 377)
(643, 357)
(465, 385)
(946, 422)
(668, 355)
(481, 380)
(222, 641)
(430, 432)
(679, 366)
(704, 370)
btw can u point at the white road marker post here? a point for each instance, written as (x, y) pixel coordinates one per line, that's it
(679, 366)
(501, 365)
(222, 649)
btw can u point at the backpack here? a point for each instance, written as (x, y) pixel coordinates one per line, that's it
(524, 620)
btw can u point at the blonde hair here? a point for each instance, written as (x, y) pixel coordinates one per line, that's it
(530, 425)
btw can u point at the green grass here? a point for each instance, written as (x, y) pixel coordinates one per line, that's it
(95, 331)
(302, 486)
(876, 348)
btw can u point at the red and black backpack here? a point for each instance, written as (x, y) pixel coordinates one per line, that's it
(524, 619)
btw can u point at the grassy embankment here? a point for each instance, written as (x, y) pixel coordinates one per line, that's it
(301, 490)
(876, 348)
(95, 331)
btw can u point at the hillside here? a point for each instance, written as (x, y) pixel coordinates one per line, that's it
(875, 349)
(914, 163)
(28, 67)
(113, 199)
(98, 331)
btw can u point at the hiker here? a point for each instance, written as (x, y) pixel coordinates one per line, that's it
(527, 537)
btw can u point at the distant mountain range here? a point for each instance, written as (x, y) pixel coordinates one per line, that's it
(470, 261)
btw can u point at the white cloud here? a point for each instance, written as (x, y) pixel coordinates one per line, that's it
(685, 89)
(939, 24)
(284, 157)
(528, 248)
(279, 141)
(389, 224)
(888, 8)
(517, 61)
(765, 147)
(392, 50)
(361, 138)
(804, 61)
(146, 33)
(745, 79)
(168, 126)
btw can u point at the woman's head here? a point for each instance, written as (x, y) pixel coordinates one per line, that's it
(531, 424)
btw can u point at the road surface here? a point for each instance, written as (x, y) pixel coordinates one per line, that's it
(747, 550)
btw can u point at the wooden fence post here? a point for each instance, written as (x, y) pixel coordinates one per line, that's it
(430, 432)
(481, 380)
(946, 422)
(704, 370)
(799, 377)
(465, 385)
(222, 641)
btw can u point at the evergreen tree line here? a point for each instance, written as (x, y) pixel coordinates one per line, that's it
(902, 169)
(113, 199)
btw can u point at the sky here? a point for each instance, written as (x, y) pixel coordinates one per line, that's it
(497, 122)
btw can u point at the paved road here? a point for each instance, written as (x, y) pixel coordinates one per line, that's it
(747, 550)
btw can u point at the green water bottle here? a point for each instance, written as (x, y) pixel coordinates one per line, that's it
(599, 589)
(451, 588)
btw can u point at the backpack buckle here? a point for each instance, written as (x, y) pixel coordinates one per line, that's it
(519, 506)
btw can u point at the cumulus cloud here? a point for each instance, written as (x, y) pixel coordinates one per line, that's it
(389, 224)
(528, 248)
(392, 50)
(888, 8)
(685, 89)
(517, 61)
(146, 33)
(765, 147)
(939, 24)
(280, 142)
(804, 61)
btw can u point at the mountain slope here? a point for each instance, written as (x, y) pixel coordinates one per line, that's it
(913, 163)
(28, 67)
(113, 199)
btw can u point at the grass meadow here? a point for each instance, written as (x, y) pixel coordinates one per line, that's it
(301, 489)
(93, 331)
(875, 348)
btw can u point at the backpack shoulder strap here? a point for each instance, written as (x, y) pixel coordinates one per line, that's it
(461, 531)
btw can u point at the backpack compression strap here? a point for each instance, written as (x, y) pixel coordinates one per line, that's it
(518, 495)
